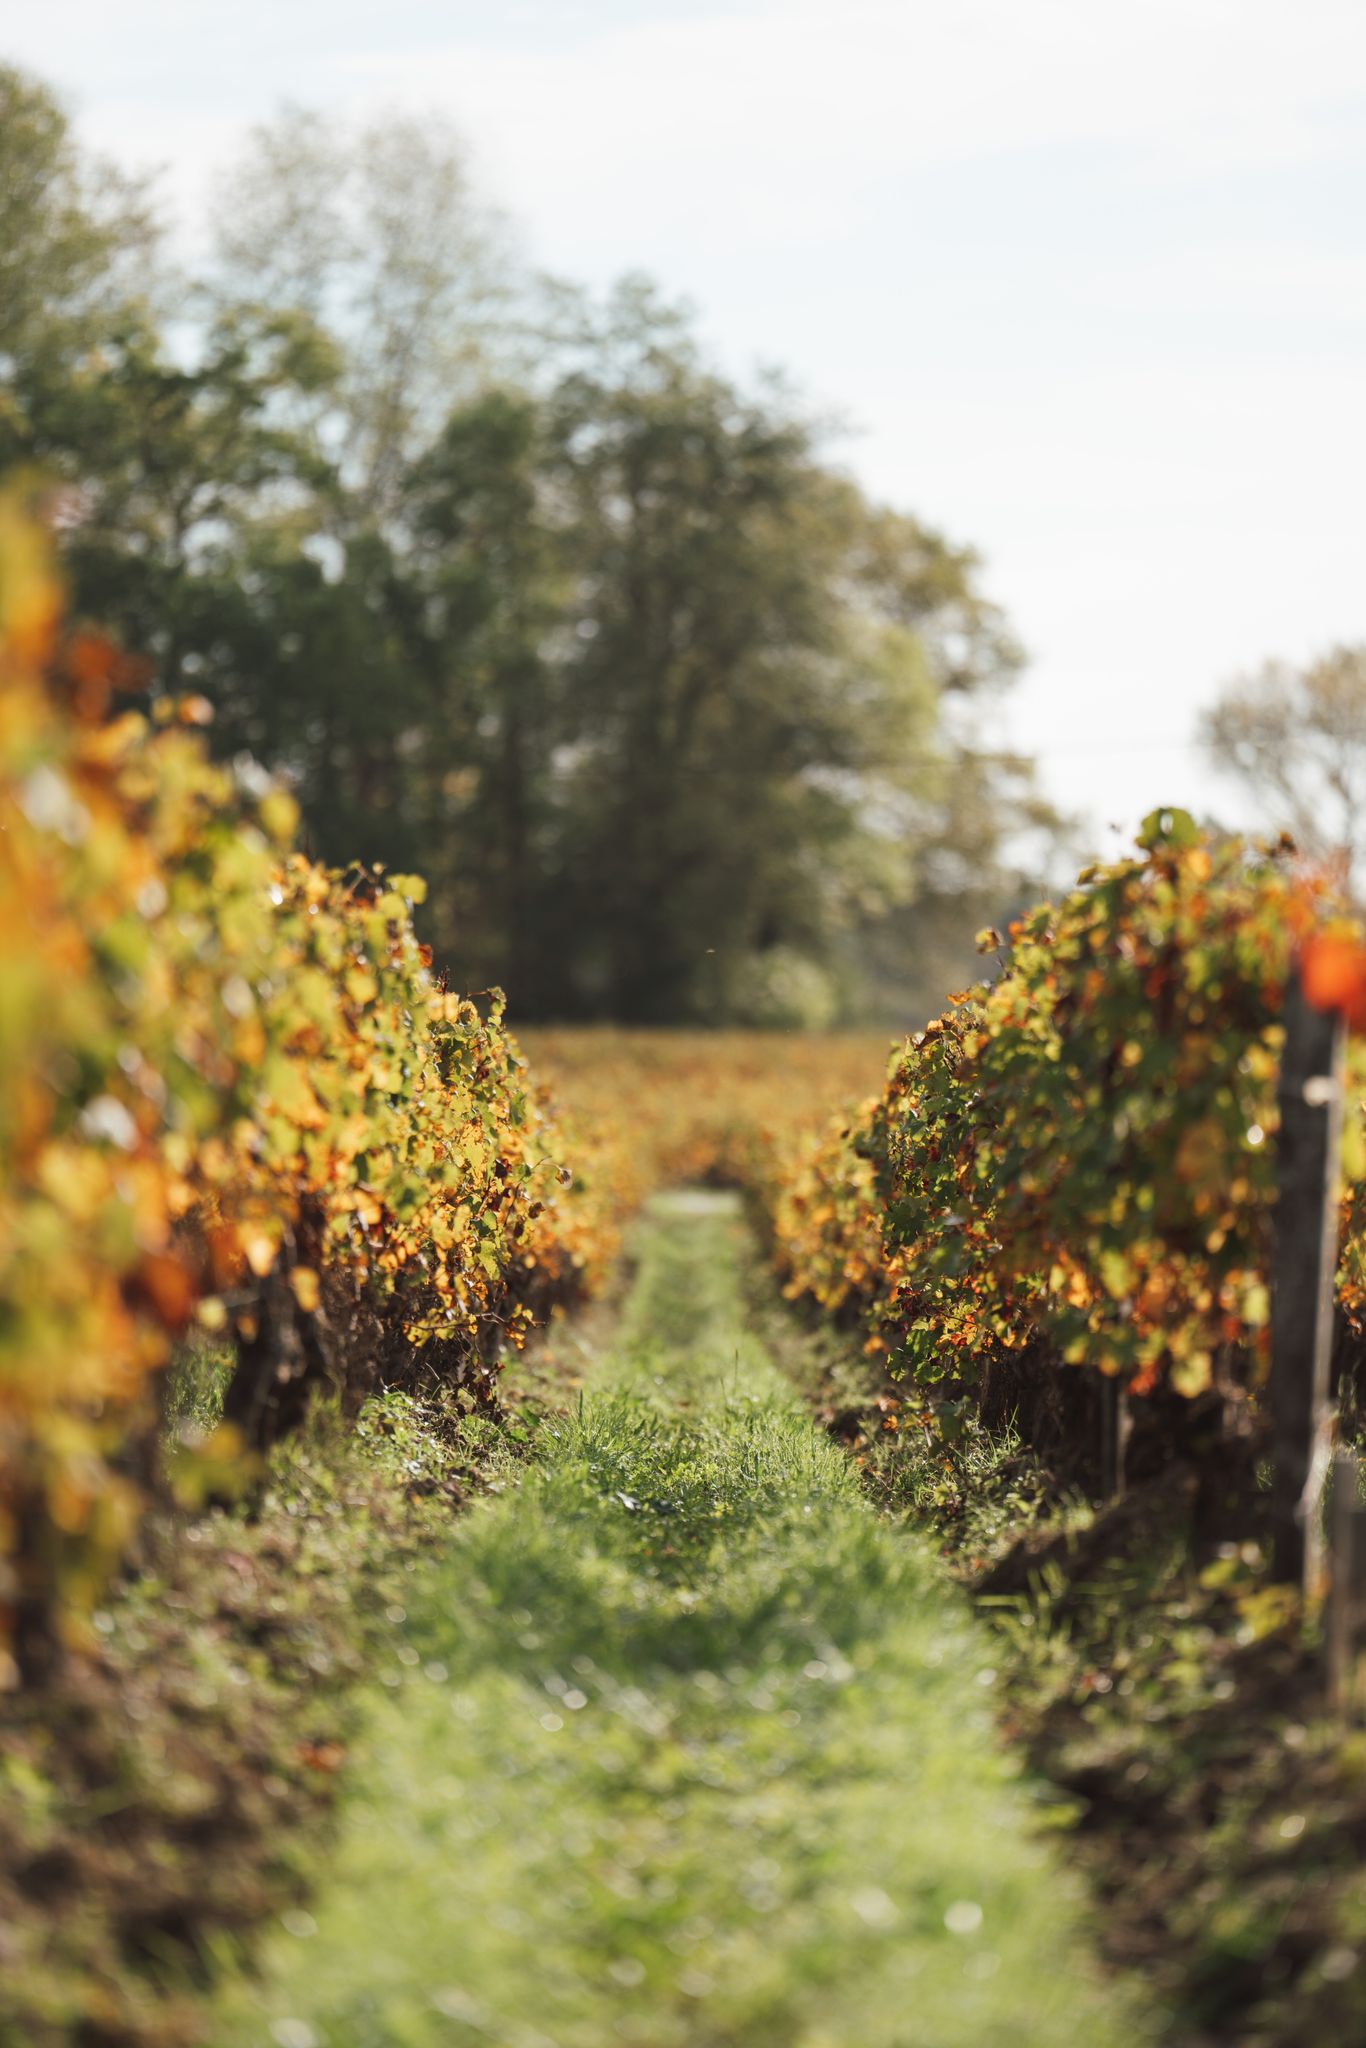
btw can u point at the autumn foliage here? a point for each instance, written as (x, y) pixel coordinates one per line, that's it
(657, 1109)
(1078, 1157)
(1333, 973)
(228, 1079)
(235, 1098)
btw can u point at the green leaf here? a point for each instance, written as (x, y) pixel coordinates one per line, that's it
(1168, 827)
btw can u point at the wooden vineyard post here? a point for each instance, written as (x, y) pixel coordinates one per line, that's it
(1303, 1261)
(1114, 1435)
(1346, 1581)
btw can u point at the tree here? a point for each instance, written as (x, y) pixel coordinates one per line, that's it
(171, 464)
(491, 563)
(164, 458)
(987, 841)
(78, 239)
(375, 233)
(759, 664)
(678, 724)
(674, 720)
(1296, 739)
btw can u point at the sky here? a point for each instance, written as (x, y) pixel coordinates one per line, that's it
(1086, 281)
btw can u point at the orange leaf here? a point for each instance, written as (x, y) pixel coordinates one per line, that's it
(166, 1287)
(1333, 976)
(322, 1756)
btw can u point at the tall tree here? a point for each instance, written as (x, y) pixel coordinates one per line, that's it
(79, 267)
(759, 671)
(79, 240)
(676, 721)
(490, 561)
(165, 456)
(173, 462)
(373, 230)
(1296, 740)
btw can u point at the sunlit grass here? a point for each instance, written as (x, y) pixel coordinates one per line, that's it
(196, 1383)
(682, 1745)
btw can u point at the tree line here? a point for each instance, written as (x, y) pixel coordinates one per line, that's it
(515, 586)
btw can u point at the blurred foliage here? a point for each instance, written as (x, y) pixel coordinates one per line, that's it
(1079, 1153)
(512, 588)
(227, 1076)
(78, 242)
(1295, 737)
(372, 231)
(648, 1110)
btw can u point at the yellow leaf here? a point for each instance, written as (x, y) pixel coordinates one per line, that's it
(279, 816)
(304, 1282)
(1256, 1306)
(260, 1250)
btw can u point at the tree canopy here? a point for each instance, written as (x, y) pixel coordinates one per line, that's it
(1295, 738)
(78, 238)
(678, 723)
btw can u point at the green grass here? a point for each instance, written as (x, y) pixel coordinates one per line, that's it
(196, 1384)
(681, 1745)
(169, 1790)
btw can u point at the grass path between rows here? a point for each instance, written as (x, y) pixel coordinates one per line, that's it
(683, 1747)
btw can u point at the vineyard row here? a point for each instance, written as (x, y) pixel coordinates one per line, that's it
(234, 1098)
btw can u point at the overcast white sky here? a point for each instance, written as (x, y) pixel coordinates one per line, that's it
(1087, 276)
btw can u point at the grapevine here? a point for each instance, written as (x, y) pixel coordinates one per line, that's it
(1079, 1155)
(228, 1081)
